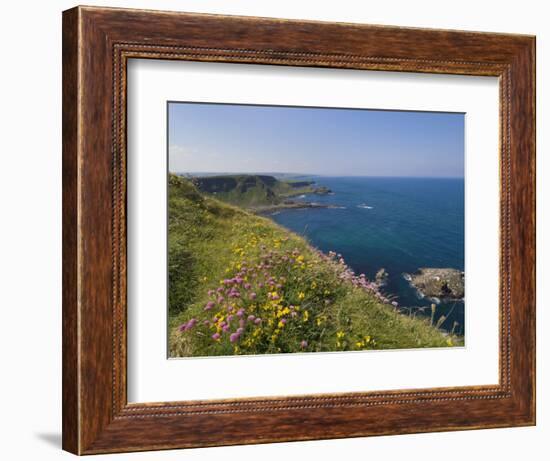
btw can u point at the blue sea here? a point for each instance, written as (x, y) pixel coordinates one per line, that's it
(399, 224)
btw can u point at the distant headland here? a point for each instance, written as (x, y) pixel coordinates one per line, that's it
(260, 193)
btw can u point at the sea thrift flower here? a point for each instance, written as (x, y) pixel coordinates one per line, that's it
(240, 312)
(234, 337)
(209, 305)
(216, 336)
(258, 321)
(251, 318)
(303, 344)
(394, 303)
(252, 296)
(210, 292)
(187, 326)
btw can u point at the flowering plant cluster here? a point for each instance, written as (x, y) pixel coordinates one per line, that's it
(278, 299)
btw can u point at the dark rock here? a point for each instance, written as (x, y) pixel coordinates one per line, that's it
(443, 283)
(381, 277)
(323, 190)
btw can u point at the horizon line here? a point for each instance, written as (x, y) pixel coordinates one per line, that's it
(273, 173)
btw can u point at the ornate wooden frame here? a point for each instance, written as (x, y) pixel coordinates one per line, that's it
(97, 43)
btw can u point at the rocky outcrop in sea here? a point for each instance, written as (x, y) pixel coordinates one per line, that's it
(438, 283)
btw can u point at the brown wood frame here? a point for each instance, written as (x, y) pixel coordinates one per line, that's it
(97, 43)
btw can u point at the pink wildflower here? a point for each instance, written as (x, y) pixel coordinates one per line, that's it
(234, 337)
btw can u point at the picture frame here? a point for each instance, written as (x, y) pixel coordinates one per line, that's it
(97, 45)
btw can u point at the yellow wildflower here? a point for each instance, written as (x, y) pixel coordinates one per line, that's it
(301, 295)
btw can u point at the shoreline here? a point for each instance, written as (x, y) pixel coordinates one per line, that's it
(268, 209)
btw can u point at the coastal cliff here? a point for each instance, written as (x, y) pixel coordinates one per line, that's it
(261, 193)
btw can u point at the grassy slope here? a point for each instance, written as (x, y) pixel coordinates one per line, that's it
(312, 309)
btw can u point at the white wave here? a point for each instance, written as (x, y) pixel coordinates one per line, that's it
(365, 206)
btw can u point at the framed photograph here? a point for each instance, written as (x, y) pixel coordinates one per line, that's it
(282, 230)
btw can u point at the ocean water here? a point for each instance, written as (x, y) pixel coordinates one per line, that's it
(400, 224)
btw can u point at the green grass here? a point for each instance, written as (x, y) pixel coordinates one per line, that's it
(251, 191)
(312, 305)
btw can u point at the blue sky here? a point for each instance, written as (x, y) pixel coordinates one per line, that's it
(228, 138)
